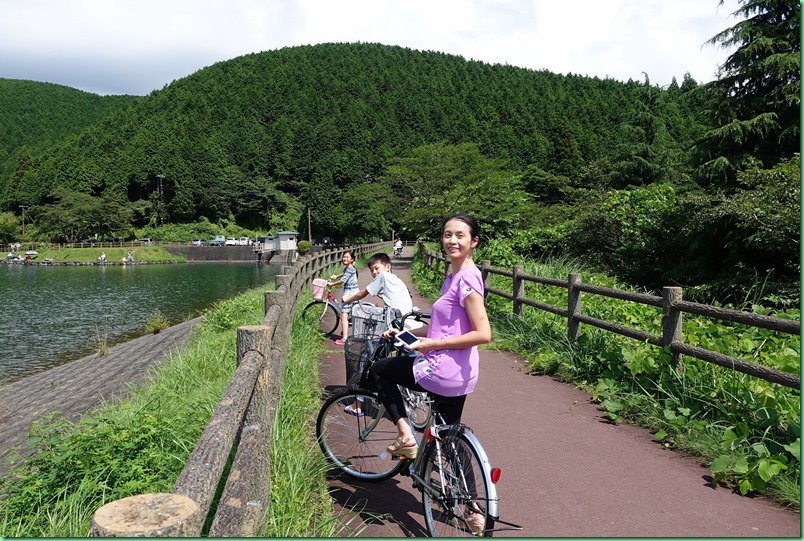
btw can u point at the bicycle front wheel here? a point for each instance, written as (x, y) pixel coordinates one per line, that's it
(356, 444)
(456, 503)
(323, 315)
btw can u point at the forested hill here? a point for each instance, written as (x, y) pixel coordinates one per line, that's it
(289, 124)
(34, 114)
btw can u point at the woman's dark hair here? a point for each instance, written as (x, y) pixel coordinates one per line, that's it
(474, 228)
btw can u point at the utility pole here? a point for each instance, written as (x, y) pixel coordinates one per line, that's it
(309, 232)
(159, 178)
(23, 220)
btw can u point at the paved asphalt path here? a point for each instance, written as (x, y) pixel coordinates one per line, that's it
(566, 470)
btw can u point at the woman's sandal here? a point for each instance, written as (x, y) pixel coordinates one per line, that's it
(399, 448)
(351, 411)
(477, 522)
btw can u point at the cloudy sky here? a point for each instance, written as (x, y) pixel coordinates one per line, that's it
(137, 46)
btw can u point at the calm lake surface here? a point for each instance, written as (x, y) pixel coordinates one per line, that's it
(54, 314)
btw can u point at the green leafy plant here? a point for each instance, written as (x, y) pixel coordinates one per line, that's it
(303, 246)
(753, 468)
(102, 338)
(156, 322)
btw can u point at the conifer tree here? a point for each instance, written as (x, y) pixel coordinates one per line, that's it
(755, 103)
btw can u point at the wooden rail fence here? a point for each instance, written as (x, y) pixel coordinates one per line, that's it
(241, 427)
(670, 302)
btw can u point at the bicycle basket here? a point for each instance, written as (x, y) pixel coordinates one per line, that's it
(319, 287)
(368, 320)
(360, 352)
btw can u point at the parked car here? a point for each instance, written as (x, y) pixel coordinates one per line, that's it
(219, 240)
(244, 241)
(198, 242)
(230, 241)
(146, 241)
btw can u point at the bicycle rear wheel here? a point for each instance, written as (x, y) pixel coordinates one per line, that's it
(459, 502)
(322, 314)
(356, 445)
(417, 407)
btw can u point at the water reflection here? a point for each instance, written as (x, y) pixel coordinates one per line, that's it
(54, 314)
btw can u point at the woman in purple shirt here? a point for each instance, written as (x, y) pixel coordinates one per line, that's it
(448, 364)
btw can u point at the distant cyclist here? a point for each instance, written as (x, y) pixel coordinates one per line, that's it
(398, 248)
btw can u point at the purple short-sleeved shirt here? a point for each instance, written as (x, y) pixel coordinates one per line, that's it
(451, 372)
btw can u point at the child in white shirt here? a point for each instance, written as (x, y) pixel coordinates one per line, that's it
(391, 289)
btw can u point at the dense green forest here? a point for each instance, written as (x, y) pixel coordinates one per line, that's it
(690, 184)
(36, 115)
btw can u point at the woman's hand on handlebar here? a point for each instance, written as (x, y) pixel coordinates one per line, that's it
(389, 333)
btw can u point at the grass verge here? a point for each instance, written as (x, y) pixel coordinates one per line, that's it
(300, 502)
(150, 254)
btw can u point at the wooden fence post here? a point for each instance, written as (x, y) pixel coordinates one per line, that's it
(518, 289)
(148, 515)
(253, 337)
(672, 320)
(573, 306)
(485, 265)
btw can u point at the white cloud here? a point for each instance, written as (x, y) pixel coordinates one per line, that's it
(135, 46)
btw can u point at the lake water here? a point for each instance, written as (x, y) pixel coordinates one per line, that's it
(54, 314)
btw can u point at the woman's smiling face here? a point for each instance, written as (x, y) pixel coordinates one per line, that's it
(457, 239)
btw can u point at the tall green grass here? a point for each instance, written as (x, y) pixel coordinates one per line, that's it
(746, 429)
(300, 501)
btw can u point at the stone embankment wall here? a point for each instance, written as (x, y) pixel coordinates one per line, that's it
(214, 253)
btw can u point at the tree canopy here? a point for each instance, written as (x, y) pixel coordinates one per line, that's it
(755, 104)
(313, 121)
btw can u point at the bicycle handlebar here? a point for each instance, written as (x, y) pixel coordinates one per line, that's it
(416, 314)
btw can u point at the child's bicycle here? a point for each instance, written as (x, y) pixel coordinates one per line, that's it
(325, 309)
(452, 470)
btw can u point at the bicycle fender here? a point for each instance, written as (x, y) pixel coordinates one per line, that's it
(493, 510)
